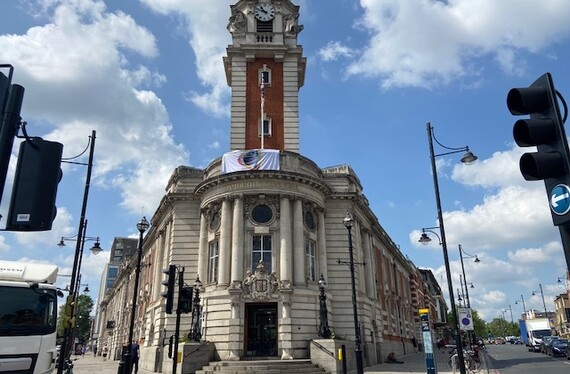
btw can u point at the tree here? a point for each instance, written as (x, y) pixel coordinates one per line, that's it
(500, 327)
(82, 311)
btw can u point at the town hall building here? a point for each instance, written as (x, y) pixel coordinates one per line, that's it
(261, 225)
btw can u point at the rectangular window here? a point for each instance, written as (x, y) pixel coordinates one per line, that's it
(261, 250)
(265, 127)
(213, 256)
(265, 77)
(310, 260)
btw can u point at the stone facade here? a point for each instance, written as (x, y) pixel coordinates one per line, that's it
(259, 240)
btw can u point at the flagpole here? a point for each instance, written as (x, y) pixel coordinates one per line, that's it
(262, 110)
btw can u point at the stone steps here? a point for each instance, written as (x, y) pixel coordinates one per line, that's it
(262, 367)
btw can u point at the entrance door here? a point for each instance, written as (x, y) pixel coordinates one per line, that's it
(261, 329)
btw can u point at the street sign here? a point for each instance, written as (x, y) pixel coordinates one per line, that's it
(465, 319)
(560, 199)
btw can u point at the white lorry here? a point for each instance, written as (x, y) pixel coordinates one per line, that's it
(28, 317)
(537, 328)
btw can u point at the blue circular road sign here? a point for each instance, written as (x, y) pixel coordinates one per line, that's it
(560, 199)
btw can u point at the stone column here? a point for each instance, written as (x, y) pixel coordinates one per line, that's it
(369, 268)
(298, 244)
(322, 239)
(285, 251)
(225, 244)
(203, 248)
(237, 242)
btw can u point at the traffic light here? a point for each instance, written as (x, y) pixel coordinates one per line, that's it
(170, 345)
(32, 205)
(68, 318)
(169, 283)
(185, 300)
(545, 130)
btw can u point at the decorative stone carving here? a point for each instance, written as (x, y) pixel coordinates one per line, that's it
(291, 23)
(260, 285)
(237, 22)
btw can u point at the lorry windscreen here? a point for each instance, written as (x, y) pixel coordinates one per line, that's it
(27, 311)
(540, 333)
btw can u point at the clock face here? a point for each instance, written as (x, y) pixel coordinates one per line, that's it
(264, 11)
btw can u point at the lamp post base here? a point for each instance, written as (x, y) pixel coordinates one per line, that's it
(125, 364)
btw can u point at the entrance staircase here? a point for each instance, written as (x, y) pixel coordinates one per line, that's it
(262, 367)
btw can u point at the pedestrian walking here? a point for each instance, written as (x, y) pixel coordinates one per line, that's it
(135, 355)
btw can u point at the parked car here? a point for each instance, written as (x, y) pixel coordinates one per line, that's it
(546, 341)
(558, 347)
(500, 341)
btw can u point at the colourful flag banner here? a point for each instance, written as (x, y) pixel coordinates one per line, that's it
(253, 159)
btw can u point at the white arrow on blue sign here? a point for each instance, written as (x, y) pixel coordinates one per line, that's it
(560, 199)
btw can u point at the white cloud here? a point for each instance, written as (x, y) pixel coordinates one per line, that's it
(532, 256)
(83, 55)
(333, 51)
(425, 43)
(208, 44)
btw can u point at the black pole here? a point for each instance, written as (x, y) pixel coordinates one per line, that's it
(128, 359)
(10, 123)
(357, 349)
(458, 343)
(543, 303)
(177, 330)
(76, 260)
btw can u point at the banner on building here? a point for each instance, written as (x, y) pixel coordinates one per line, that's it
(253, 159)
(465, 319)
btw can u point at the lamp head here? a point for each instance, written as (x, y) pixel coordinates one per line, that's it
(86, 289)
(143, 225)
(61, 243)
(468, 158)
(424, 239)
(348, 221)
(197, 283)
(477, 259)
(322, 282)
(96, 249)
(533, 293)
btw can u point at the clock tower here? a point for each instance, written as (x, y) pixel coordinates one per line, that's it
(265, 68)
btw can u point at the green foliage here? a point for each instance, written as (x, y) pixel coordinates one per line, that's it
(500, 327)
(82, 311)
(479, 325)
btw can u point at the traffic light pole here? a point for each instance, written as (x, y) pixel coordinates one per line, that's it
(178, 312)
(565, 236)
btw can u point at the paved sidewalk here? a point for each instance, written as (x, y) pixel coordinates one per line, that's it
(413, 363)
(89, 365)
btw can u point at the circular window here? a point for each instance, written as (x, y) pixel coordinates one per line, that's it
(310, 220)
(215, 221)
(262, 213)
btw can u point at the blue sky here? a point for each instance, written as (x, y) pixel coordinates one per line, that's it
(147, 75)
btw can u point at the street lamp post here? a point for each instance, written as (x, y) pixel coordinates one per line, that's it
(467, 158)
(542, 295)
(324, 331)
(524, 306)
(196, 331)
(467, 255)
(348, 223)
(142, 226)
(66, 342)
